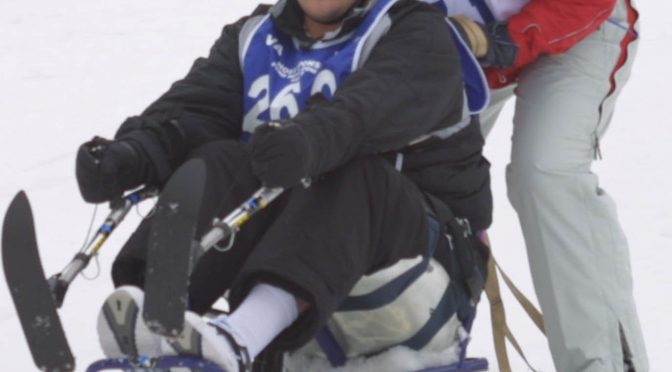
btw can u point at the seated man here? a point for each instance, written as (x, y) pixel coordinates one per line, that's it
(350, 93)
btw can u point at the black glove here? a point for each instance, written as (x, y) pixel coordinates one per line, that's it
(282, 154)
(105, 169)
(502, 51)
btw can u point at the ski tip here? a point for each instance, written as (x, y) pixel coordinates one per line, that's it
(18, 214)
(20, 198)
(195, 163)
(194, 168)
(189, 176)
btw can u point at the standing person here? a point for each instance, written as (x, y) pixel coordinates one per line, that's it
(566, 63)
(351, 93)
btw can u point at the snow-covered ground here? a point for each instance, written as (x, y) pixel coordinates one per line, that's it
(73, 69)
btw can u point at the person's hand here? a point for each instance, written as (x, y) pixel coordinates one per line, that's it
(105, 169)
(281, 154)
(490, 43)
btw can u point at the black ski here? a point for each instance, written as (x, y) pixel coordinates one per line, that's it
(173, 249)
(32, 297)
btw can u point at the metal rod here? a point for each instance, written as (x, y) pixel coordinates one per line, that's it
(59, 282)
(228, 226)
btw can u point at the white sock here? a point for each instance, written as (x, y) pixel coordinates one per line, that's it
(266, 311)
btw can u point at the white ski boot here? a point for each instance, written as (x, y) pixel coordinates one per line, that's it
(213, 340)
(121, 329)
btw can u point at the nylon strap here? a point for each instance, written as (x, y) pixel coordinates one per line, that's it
(483, 10)
(500, 329)
(527, 305)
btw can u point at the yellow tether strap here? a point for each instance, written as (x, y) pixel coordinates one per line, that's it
(500, 330)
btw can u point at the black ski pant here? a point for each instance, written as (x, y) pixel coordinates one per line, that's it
(315, 242)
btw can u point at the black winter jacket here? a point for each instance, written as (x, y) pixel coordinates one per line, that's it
(410, 85)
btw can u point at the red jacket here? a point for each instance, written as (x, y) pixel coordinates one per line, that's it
(549, 27)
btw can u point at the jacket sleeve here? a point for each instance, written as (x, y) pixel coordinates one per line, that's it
(554, 26)
(410, 85)
(205, 105)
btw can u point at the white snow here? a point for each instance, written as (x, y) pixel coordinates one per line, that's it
(71, 69)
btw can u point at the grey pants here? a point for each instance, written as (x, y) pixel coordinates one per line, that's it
(577, 251)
